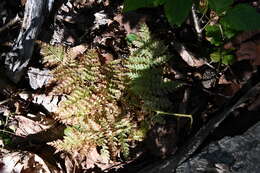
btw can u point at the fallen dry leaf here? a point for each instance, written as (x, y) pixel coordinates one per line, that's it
(257, 60)
(188, 56)
(77, 50)
(223, 81)
(105, 57)
(24, 162)
(27, 126)
(248, 46)
(244, 36)
(131, 21)
(247, 50)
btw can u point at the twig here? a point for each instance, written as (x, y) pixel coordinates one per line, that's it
(10, 23)
(196, 22)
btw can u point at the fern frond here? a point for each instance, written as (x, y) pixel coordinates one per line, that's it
(146, 67)
(95, 107)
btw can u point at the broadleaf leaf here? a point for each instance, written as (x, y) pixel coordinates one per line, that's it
(177, 11)
(130, 5)
(242, 17)
(220, 5)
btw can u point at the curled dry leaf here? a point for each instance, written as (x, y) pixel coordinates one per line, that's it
(188, 56)
(248, 46)
(25, 162)
(131, 21)
(27, 126)
(230, 87)
(77, 50)
(249, 51)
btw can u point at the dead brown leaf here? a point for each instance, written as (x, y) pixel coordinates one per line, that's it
(188, 56)
(257, 60)
(77, 50)
(247, 50)
(131, 21)
(248, 46)
(244, 36)
(27, 126)
(105, 57)
(25, 162)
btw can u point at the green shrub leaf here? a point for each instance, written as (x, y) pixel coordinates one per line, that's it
(177, 11)
(131, 37)
(224, 57)
(215, 57)
(213, 34)
(158, 2)
(242, 17)
(220, 5)
(228, 59)
(130, 5)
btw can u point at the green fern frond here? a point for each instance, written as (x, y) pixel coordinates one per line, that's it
(52, 54)
(146, 66)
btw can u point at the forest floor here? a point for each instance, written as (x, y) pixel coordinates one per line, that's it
(27, 127)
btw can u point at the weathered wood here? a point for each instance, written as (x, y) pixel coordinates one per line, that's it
(18, 58)
(246, 95)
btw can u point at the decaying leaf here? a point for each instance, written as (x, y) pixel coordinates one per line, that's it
(77, 50)
(25, 162)
(248, 46)
(187, 56)
(28, 126)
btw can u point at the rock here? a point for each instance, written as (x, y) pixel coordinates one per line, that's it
(38, 78)
(231, 154)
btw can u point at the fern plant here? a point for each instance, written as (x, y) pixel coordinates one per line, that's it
(107, 105)
(94, 109)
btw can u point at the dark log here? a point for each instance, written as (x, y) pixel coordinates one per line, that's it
(247, 94)
(16, 61)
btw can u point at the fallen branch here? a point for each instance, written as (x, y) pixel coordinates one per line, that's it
(196, 22)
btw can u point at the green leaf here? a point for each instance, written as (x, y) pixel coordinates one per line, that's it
(130, 5)
(177, 11)
(158, 2)
(223, 57)
(220, 5)
(68, 131)
(131, 37)
(228, 59)
(242, 17)
(228, 31)
(214, 35)
(215, 57)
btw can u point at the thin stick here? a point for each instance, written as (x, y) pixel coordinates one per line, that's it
(10, 23)
(196, 22)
